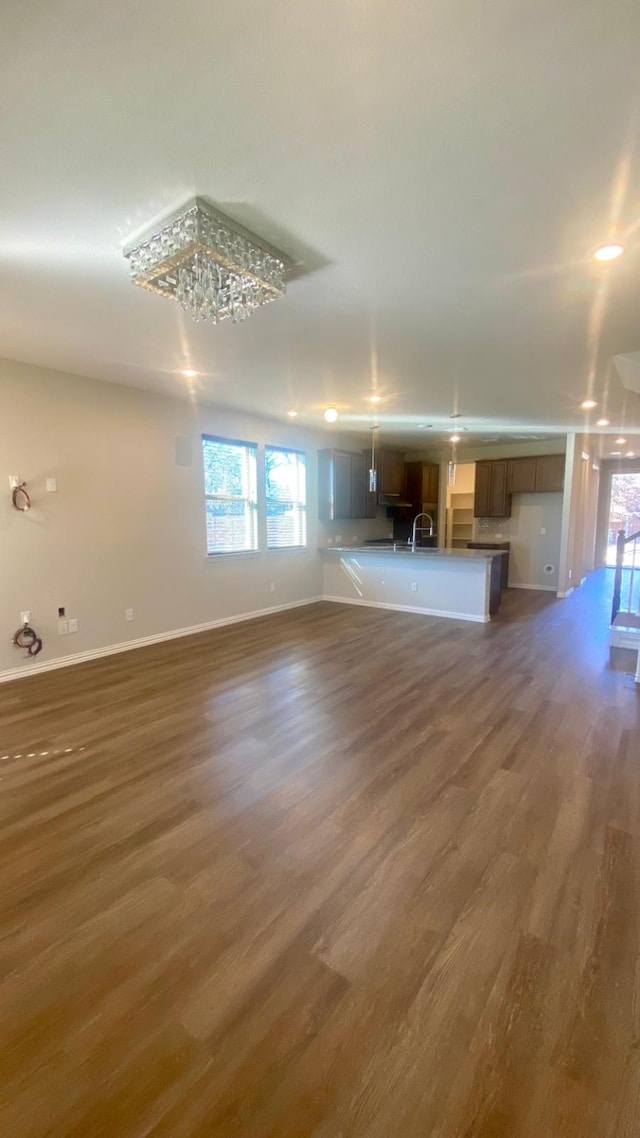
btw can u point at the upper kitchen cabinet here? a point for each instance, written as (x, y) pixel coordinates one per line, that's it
(341, 485)
(522, 475)
(542, 473)
(390, 468)
(491, 495)
(422, 484)
(550, 472)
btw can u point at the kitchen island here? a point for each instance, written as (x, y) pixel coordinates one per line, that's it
(463, 584)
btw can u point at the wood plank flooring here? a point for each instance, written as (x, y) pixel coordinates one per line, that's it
(337, 872)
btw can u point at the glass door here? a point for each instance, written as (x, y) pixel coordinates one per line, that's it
(624, 512)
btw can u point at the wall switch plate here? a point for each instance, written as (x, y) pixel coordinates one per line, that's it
(272, 586)
(52, 485)
(25, 616)
(63, 627)
(74, 625)
(128, 614)
(414, 586)
(542, 529)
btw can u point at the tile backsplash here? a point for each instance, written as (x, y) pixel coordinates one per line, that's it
(492, 529)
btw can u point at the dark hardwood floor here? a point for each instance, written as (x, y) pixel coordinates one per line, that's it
(337, 872)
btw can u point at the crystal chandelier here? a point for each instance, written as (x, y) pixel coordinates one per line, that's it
(213, 267)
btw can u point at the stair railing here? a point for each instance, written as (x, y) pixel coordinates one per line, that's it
(622, 542)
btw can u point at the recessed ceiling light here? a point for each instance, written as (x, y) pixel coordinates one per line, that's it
(602, 422)
(615, 453)
(629, 453)
(424, 426)
(292, 414)
(375, 398)
(454, 438)
(608, 252)
(587, 404)
(331, 414)
(190, 372)
(621, 442)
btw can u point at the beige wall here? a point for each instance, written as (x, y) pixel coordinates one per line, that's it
(125, 528)
(577, 553)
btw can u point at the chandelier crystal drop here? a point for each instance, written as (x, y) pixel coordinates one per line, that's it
(214, 268)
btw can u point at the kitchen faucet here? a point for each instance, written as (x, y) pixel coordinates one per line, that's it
(414, 529)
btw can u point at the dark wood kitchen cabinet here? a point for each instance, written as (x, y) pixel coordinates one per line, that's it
(341, 485)
(541, 473)
(550, 473)
(390, 468)
(422, 484)
(491, 496)
(522, 475)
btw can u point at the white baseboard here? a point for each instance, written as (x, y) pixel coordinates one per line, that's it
(567, 593)
(538, 588)
(35, 668)
(408, 608)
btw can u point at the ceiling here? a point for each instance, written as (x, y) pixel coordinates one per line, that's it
(440, 173)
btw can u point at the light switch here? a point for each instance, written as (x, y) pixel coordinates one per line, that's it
(542, 529)
(52, 485)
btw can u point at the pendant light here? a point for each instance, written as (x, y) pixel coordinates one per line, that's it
(373, 473)
(451, 465)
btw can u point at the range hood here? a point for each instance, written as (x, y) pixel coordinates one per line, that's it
(397, 500)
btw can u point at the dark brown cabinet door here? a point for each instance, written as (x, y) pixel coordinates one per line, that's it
(341, 484)
(430, 482)
(414, 485)
(421, 484)
(491, 496)
(357, 486)
(522, 475)
(550, 472)
(390, 472)
(499, 499)
(482, 490)
(370, 498)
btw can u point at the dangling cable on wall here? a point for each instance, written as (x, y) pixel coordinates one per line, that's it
(27, 637)
(20, 498)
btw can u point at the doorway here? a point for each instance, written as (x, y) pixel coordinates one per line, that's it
(624, 511)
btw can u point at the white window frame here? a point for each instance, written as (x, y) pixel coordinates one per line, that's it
(249, 498)
(299, 503)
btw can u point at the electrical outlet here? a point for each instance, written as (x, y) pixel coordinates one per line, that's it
(128, 614)
(25, 617)
(52, 485)
(272, 587)
(414, 586)
(74, 625)
(63, 627)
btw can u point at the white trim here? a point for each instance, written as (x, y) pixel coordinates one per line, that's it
(144, 641)
(567, 593)
(538, 588)
(408, 608)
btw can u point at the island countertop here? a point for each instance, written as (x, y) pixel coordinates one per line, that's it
(400, 549)
(459, 583)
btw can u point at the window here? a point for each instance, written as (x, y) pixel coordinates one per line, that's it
(231, 495)
(286, 489)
